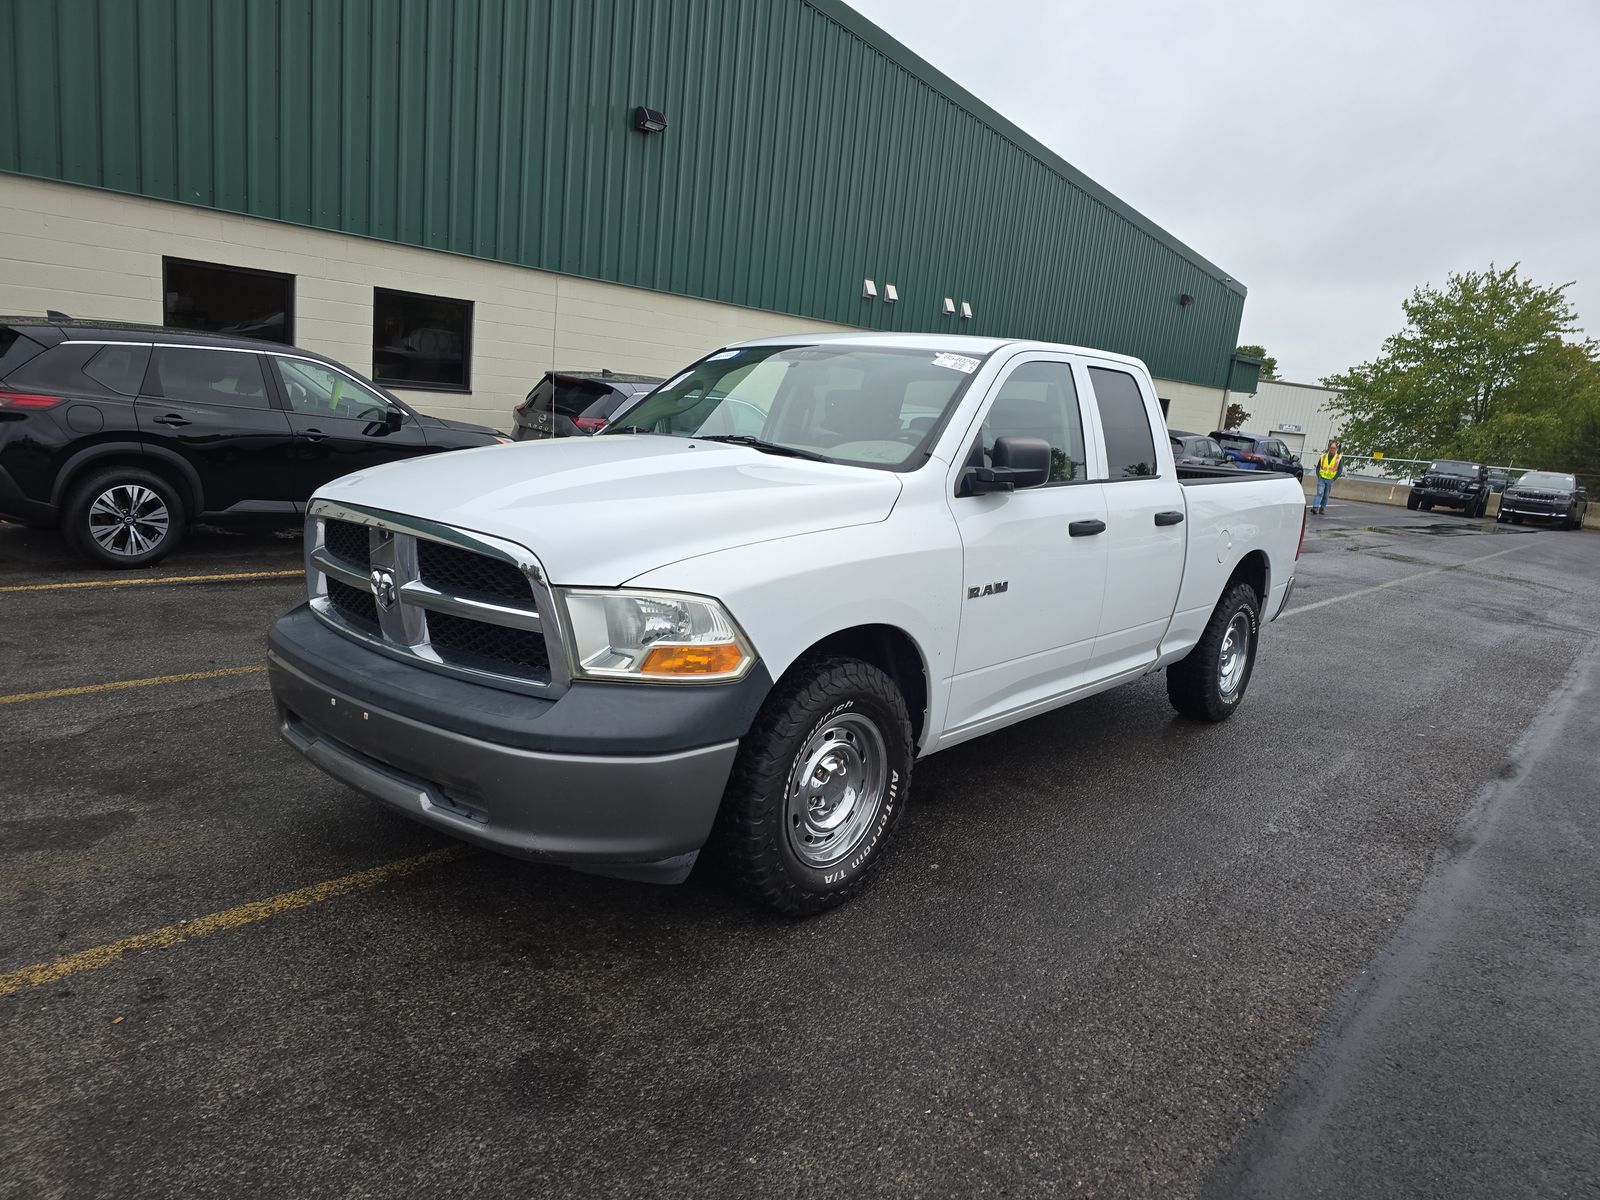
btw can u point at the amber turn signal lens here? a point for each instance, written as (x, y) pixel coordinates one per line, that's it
(717, 658)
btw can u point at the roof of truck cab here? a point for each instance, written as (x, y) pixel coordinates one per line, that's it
(955, 343)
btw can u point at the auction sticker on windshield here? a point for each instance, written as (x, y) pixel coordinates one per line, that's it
(957, 362)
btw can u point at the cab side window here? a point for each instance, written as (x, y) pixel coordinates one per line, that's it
(231, 378)
(1039, 400)
(1130, 450)
(314, 390)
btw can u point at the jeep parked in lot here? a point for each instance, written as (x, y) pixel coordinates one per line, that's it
(1454, 484)
(613, 651)
(1545, 496)
(123, 435)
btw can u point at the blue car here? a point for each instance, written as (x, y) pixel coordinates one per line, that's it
(1259, 452)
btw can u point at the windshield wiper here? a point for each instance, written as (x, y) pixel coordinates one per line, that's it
(755, 443)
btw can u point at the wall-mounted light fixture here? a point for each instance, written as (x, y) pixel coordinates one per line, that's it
(890, 293)
(648, 120)
(966, 311)
(869, 290)
(949, 307)
(1185, 300)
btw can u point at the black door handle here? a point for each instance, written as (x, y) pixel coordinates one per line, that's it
(312, 435)
(1169, 518)
(1086, 528)
(172, 419)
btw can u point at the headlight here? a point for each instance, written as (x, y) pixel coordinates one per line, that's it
(654, 636)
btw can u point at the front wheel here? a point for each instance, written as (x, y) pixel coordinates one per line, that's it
(1208, 685)
(1412, 502)
(817, 788)
(124, 517)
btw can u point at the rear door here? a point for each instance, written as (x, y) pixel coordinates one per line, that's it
(340, 425)
(1033, 560)
(214, 409)
(1145, 539)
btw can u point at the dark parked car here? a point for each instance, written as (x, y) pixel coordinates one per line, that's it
(123, 435)
(1545, 496)
(1454, 484)
(1197, 450)
(576, 403)
(1249, 450)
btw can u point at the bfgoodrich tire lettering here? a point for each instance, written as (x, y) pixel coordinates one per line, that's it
(818, 787)
(1210, 683)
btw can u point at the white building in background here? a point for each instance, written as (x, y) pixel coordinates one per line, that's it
(1298, 413)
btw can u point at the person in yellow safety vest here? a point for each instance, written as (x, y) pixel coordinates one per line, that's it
(1329, 467)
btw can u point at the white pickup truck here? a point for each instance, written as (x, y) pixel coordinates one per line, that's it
(733, 620)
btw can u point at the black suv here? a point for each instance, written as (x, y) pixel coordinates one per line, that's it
(125, 434)
(1197, 450)
(1552, 496)
(1454, 484)
(576, 403)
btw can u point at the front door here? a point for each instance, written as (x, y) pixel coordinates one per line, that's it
(1033, 560)
(340, 425)
(1145, 536)
(213, 408)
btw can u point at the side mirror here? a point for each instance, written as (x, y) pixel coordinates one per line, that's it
(1294, 458)
(394, 419)
(1018, 462)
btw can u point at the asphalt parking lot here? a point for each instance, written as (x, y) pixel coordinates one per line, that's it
(1113, 953)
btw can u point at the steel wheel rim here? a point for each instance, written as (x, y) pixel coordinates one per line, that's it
(1235, 654)
(128, 519)
(835, 790)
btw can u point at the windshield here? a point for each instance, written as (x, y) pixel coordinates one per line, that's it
(1547, 479)
(1449, 466)
(864, 405)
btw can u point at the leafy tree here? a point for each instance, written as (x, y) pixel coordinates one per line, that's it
(1235, 417)
(1269, 364)
(1483, 370)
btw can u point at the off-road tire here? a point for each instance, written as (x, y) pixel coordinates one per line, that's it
(1194, 685)
(1412, 502)
(1427, 505)
(75, 516)
(751, 840)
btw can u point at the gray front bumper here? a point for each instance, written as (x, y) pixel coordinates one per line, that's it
(640, 816)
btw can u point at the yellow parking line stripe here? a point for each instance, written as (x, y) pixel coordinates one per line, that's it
(91, 689)
(235, 577)
(219, 922)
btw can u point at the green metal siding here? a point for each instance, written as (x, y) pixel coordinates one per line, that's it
(805, 152)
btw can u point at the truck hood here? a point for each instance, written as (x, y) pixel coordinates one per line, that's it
(599, 511)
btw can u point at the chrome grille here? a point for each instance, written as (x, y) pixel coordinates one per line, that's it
(455, 602)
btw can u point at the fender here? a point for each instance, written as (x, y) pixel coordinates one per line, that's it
(90, 454)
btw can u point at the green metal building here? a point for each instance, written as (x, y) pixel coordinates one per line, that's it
(486, 162)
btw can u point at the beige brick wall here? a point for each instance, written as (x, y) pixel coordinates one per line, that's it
(98, 254)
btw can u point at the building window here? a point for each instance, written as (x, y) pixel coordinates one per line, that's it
(231, 300)
(1166, 404)
(421, 341)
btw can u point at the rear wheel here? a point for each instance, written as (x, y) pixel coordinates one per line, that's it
(818, 787)
(1210, 683)
(124, 517)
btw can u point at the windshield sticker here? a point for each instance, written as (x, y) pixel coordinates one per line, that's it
(957, 362)
(724, 354)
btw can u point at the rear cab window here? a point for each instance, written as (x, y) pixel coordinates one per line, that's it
(1125, 424)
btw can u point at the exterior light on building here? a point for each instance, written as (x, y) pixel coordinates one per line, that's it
(966, 311)
(648, 120)
(1185, 300)
(890, 293)
(949, 307)
(869, 290)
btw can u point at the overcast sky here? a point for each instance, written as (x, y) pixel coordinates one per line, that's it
(1392, 142)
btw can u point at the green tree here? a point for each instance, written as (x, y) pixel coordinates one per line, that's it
(1484, 370)
(1269, 364)
(1235, 417)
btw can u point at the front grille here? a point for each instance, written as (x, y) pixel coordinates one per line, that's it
(454, 607)
(348, 542)
(461, 572)
(487, 647)
(354, 605)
